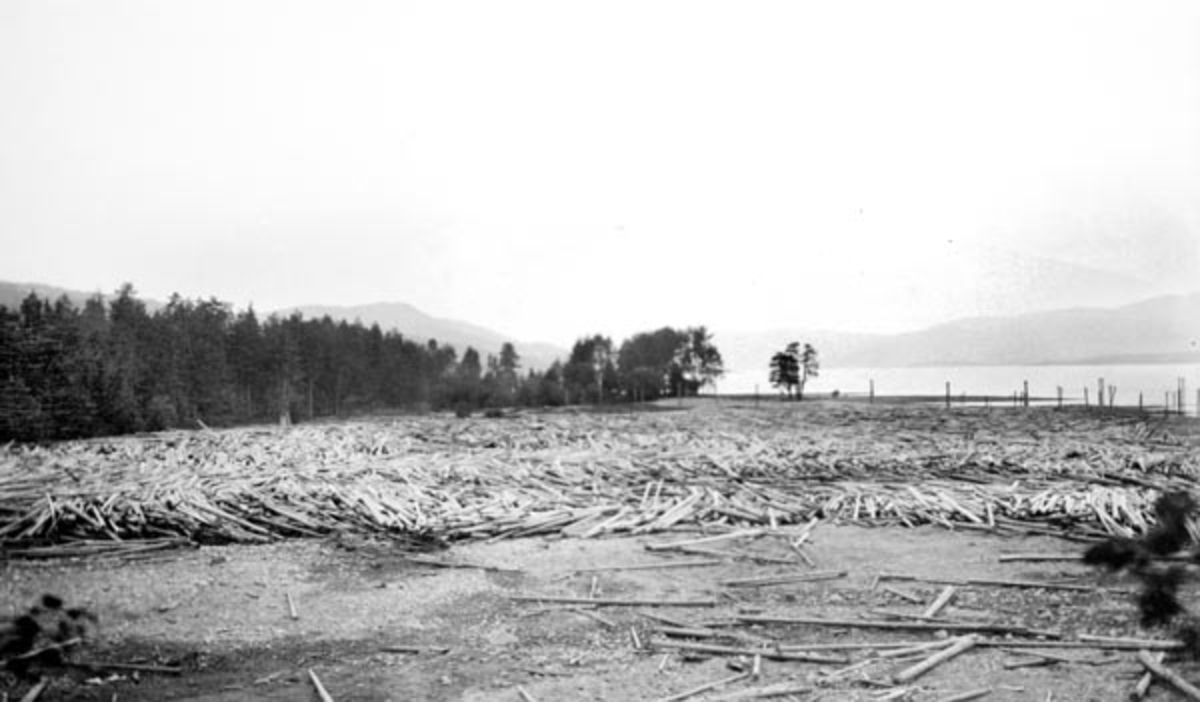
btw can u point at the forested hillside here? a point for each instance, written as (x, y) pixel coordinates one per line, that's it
(114, 367)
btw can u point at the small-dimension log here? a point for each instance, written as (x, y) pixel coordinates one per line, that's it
(671, 546)
(992, 582)
(909, 626)
(600, 602)
(706, 687)
(962, 645)
(780, 689)
(321, 692)
(969, 695)
(1146, 659)
(1143, 684)
(785, 579)
(400, 648)
(694, 563)
(942, 600)
(768, 653)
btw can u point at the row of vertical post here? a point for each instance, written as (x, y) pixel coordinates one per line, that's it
(1106, 395)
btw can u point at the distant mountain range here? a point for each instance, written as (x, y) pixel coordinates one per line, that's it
(415, 324)
(408, 320)
(1159, 330)
(11, 294)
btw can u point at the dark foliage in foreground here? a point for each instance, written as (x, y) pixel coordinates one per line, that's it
(40, 637)
(1158, 602)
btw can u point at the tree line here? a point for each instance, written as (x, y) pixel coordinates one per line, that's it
(115, 367)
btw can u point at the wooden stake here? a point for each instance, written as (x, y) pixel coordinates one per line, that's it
(291, 606)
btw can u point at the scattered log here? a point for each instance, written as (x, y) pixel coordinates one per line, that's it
(321, 692)
(785, 579)
(900, 626)
(602, 602)
(705, 688)
(959, 646)
(770, 654)
(969, 695)
(942, 600)
(1190, 691)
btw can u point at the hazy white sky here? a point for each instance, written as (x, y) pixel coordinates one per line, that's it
(560, 168)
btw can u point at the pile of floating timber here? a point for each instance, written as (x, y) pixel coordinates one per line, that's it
(584, 475)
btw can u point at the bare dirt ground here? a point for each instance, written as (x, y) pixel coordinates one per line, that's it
(374, 622)
(222, 613)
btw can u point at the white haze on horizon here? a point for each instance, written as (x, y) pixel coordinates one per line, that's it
(551, 170)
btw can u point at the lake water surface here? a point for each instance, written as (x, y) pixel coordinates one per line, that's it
(1152, 381)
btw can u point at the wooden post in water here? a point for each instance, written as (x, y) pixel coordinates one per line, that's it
(1166, 403)
(1100, 393)
(1025, 391)
(947, 394)
(872, 400)
(1112, 395)
(1140, 407)
(1182, 393)
(1085, 397)
(1060, 397)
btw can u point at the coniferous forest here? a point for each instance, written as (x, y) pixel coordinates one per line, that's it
(115, 367)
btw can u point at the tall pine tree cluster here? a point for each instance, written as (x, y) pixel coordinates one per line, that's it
(115, 367)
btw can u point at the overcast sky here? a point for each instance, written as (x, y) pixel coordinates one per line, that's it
(561, 168)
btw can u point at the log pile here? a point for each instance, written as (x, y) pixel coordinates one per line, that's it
(585, 475)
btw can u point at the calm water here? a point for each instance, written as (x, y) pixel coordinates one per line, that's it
(1150, 380)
